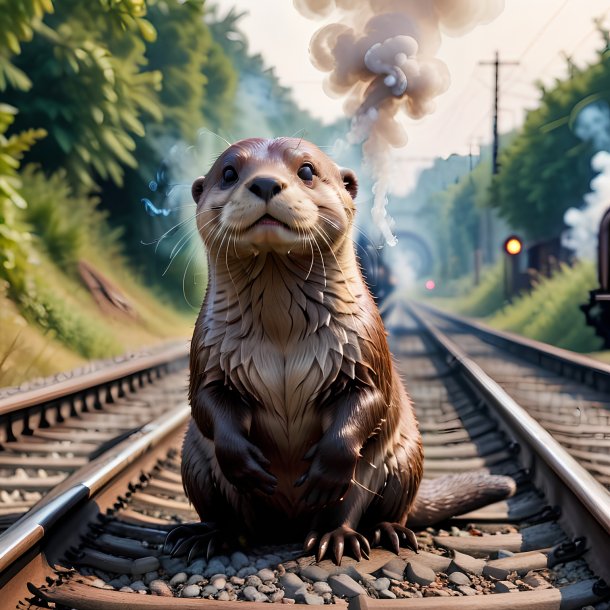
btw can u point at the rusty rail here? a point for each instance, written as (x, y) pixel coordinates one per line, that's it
(83, 485)
(564, 362)
(58, 400)
(585, 503)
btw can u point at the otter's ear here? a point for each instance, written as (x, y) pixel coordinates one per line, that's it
(349, 181)
(197, 188)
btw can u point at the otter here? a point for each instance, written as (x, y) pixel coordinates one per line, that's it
(301, 425)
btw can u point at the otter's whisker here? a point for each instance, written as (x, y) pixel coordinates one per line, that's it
(309, 239)
(329, 221)
(180, 243)
(224, 235)
(327, 240)
(160, 239)
(374, 493)
(185, 243)
(321, 258)
(241, 309)
(206, 130)
(190, 260)
(347, 282)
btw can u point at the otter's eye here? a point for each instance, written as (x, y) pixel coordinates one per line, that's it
(306, 172)
(229, 176)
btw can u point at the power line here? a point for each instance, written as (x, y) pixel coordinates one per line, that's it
(537, 38)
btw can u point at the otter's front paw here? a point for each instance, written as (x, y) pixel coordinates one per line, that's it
(394, 535)
(329, 476)
(243, 464)
(338, 539)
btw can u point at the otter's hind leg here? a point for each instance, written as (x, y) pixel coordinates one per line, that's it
(200, 484)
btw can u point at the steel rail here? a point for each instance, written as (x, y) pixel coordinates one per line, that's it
(585, 503)
(63, 390)
(562, 361)
(83, 485)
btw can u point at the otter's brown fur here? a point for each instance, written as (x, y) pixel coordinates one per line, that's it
(300, 420)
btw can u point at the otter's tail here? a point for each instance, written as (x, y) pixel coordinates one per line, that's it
(456, 494)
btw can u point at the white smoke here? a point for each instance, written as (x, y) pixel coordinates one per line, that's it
(584, 223)
(380, 56)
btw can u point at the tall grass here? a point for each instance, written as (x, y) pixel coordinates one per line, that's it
(486, 298)
(75, 329)
(27, 350)
(62, 222)
(551, 313)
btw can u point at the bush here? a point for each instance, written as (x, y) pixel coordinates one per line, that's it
(486, 298)
(551, 313)
(73, 328)
(63, 223)
(14, 239)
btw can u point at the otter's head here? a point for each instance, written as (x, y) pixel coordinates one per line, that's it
(274, 195)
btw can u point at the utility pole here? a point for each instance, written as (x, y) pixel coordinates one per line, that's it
(477, 250)
(487, 225)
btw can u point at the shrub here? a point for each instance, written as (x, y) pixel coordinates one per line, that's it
(73, 328)
(14, 238)
(487, 297)
(64, 223)
(551, 313)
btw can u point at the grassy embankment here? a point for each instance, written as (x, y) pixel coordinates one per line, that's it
(56, 324)
(549, 312)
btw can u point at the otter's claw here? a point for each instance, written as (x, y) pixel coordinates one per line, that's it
(393, 536)
(358, 544)
(194, 539)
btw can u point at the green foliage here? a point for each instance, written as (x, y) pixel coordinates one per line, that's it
(198, 79)
(14, 238)
(221, 89)
(63, 222)
(484, 299)
(116, 84)
(550, 312)
(17, 23)
(198, 90)
(451, 218)
(73, 328)
(546, 169)
(89, 89)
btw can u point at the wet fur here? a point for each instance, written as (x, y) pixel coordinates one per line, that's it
(292, 380)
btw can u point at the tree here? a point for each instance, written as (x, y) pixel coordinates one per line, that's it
(547, 168)
(197, 91)
(14, 238)
(18, 21)
(89, 90)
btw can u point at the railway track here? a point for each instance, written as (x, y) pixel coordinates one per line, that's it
(96, 541)
(568, 394)
(48, 432)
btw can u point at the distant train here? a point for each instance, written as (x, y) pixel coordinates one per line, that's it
(597, 310)
(377, 273)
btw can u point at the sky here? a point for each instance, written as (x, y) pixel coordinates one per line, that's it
(538, 34)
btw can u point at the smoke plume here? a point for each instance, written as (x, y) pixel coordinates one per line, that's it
(380, 56)
(584, 223)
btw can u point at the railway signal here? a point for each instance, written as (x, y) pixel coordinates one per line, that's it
(513, 246)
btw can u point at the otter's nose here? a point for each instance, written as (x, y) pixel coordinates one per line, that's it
(265, 188)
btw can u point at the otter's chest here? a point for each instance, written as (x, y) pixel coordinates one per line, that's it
(286, 378)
